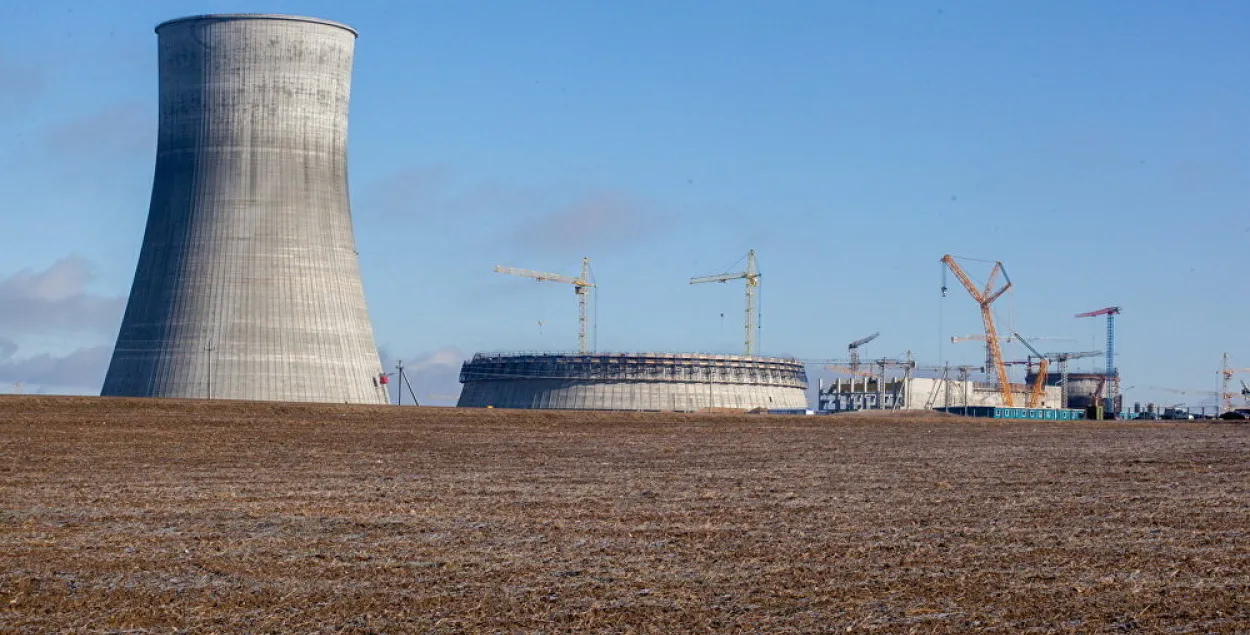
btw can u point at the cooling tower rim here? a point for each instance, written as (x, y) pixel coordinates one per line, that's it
(656, 355)
(257, 16)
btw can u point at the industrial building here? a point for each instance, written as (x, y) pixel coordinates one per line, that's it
(632, 381)
(1084, 390)
(921, 393)
(248, 281)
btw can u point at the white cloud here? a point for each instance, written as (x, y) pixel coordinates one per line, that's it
(81, 371)
(56, 300)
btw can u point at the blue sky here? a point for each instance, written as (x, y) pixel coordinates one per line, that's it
(1099, 149)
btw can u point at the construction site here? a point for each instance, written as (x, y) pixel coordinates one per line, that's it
(248, 283)
(686, 382)
(244, 471)
(648, 381)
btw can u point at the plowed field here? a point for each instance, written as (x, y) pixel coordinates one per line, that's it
(158, 516)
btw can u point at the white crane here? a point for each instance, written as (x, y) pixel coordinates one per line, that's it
(752, 277)
(581, 286)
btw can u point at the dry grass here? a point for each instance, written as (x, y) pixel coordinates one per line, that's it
(144, 516)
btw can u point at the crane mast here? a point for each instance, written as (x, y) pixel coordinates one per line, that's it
(1111, 379)
(1226, 373)
(955, 339)
(1063, 359)
(853, 349)
(985, 297)
(752, 278)
(581, 286)
(1043, 368)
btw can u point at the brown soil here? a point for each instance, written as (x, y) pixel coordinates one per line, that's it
(145, 516)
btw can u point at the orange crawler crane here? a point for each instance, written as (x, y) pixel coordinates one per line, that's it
(1043, 368)
(985, 297)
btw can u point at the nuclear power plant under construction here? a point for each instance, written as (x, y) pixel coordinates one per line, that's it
(248, 282)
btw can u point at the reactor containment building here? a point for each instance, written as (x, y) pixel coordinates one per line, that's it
(671, 382)
(248, 281)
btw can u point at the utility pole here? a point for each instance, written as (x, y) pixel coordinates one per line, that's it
(399, 373)
(209, 380)
(402, 380)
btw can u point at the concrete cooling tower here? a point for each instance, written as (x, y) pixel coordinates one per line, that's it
(248, 283)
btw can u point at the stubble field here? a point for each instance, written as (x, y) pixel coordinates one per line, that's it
(157, 516)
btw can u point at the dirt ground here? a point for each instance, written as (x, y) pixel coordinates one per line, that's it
(158, 516)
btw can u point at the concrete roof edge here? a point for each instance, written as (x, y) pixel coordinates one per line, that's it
(257, 16)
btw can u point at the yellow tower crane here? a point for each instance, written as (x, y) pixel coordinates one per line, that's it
(752, 277)
(1226, 373)
(581, 286)
(985, 297)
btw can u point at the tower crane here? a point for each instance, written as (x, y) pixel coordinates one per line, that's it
(985, 297)
(1043, 367)
(581, 286)
(1226, 374)
(1110, 312)
(1063, 359)
(847, 370)
(980, 337)
(752, 277)
(853, 349)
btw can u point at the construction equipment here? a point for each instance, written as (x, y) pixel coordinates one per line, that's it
(846, 370)
(908, 365)
(581, 286)
(943, 382)
(1043, 367)
(853, 349)
(1112, 380)
(1063, 359)
(984, 297)
(1186, 391)
(1226, 374)
(752, 277)
(980, 337)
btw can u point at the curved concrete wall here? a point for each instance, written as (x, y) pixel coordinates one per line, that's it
(647, 381)
(1081, 387)
(248, 283)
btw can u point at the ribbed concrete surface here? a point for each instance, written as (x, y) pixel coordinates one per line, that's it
(248, 282)
(632, 381)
